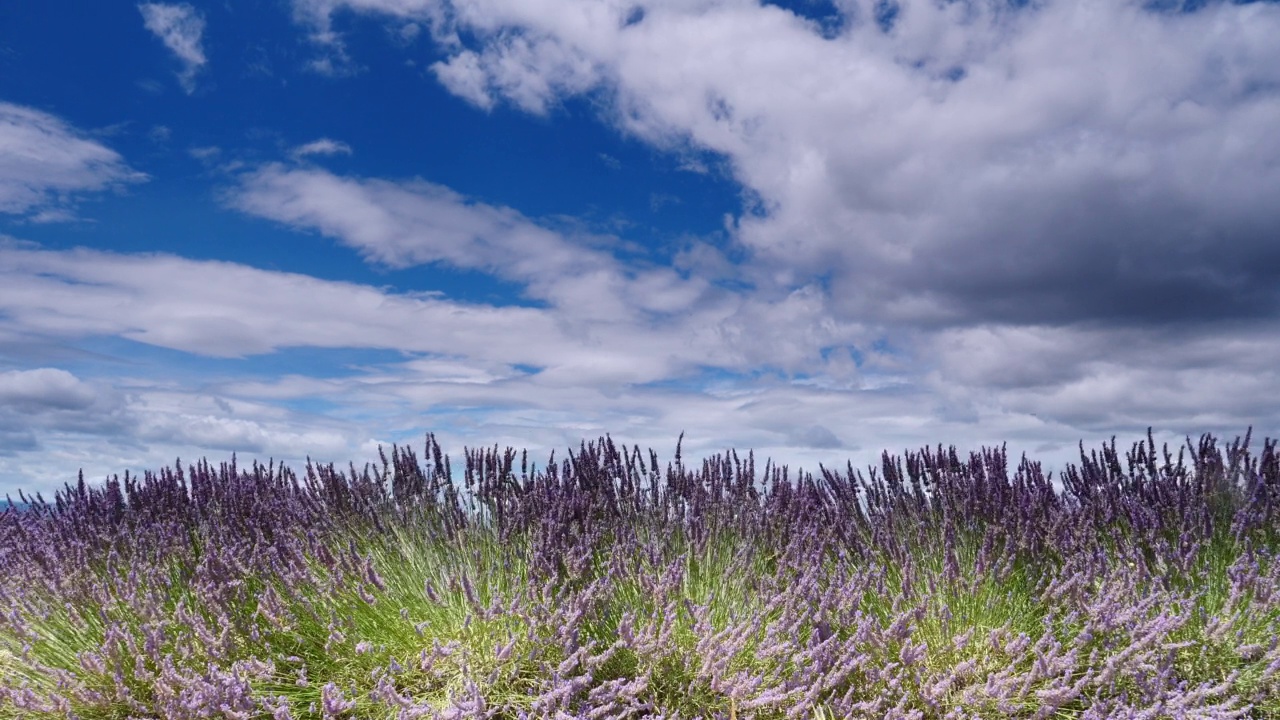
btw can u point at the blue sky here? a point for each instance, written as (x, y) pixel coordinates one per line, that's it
(816, 230)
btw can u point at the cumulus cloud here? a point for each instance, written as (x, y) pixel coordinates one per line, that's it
(181, 28)
(463, 76)
(44, 163)
(530, 72)
(1017, 382)
(215, 432)
(1098, 378)
(964, 223)
(218, 323)
(1050, 208)
(954, 164)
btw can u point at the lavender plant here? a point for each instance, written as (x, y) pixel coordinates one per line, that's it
(606, 586)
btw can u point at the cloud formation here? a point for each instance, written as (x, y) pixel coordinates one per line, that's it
(590, 296)
(996, 185)
(39, 404)
(45, 164)
(181, 28)
(1057, 163)
(967, 222)
(43, 388)
(525, 377)
(512, 368)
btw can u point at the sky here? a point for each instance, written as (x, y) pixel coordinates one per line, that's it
(817, 229)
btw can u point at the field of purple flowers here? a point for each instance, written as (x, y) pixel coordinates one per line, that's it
(604, 586)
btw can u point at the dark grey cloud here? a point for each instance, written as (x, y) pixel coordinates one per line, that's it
(1100, 257)
(13, 442)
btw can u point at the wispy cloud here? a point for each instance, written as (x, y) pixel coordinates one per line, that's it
(220, 322)
(323, 146)
(205, 153)
(45, 163)
(589, 294)
(181, 28)
(412, 222)
(334, 60)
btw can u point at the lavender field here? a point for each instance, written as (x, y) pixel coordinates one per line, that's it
(609, 585)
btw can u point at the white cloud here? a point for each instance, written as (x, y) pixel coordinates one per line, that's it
(52, 215)
(44, 162)
(461, 376)
(1019, 197)
(151, 299)
(591, 296)
(323, 146)
(985, 224)
(334, 60)
(463, 76)
(976, 150)
(987, 376)
(44, 388)
(205, 153)
(220, 321)
(408, 33)
(531, 72)
(1103, 378)
(181, 28)
(466, 354)
(400, 224)
(403, 224)
(213, 433)
(53, 425)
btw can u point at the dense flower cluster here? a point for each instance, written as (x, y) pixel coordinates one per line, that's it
(605, 587)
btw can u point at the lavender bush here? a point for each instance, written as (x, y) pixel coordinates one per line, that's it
(604, 586)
